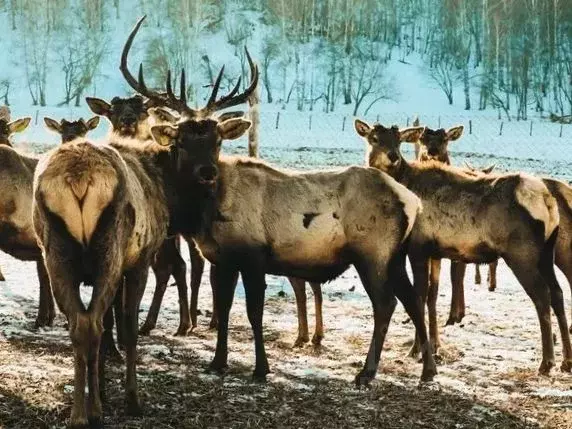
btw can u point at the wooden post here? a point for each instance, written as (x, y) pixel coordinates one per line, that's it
(277, 119)
(439, 121)
(344, 124)
(310, 123)
(470, 127)
(500, 131)
(561, 127)
(530, 128)
(407, 122)
(377, 118)
(37, 114)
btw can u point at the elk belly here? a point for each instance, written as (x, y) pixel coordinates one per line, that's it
(311, 239)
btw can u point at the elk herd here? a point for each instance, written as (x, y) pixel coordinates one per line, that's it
(102, 214)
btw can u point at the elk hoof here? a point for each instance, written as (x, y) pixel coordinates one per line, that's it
(114, 356)
(145, 330)
(300, 341)
(566, 365)
(259, 376)
(450, 321)
(132, 407)
(492, 288)
(428, 374)
(317, 340)
(545, 367)
(414, 351)
(217, 368)
(213, 324)
(44, 320)
(2, 278)
(364, 377)
(79, 425)
(182, 331)
(96, 423)
(78, 422)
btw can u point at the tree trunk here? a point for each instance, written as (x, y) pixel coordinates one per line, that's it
(254, 114)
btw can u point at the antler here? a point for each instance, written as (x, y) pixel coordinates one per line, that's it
(169, 99)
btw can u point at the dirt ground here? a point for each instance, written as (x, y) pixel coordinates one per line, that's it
(487, 367)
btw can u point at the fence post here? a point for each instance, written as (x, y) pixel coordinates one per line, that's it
(377, 118)
(36, 120)
(344, 124)
(310, 123)
(439, 121)
(277, 119)
(470, 127)
(561, 127)
(530, 128)
(500, 131)
(407, 122)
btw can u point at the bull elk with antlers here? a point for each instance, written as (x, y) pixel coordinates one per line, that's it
(250, 218)
(478, 219)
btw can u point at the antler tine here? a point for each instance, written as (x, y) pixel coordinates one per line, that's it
(169, 87)
(183, 87)
(216, 86)
(141, 80)
(231, 99)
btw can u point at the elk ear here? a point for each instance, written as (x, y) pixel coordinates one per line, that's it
(489, 169)
(99, 106)
(164, 134)
(92, 123)
(233, 128)
(229, 115)
(19, 125)
(52, 125)
(411, 135)
(362, 128)
(162, 115)
(455, 132)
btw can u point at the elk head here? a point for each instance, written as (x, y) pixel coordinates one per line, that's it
(9, 128)
(383, 144)
(195, 139)
(71, 130)
(475, 170)
(434, 145)
(128, 116)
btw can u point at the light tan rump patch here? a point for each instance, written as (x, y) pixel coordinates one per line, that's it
(77, 184)
(534, 196)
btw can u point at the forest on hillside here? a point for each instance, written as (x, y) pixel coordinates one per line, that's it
(511, 55)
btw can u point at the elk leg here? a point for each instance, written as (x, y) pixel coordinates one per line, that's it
(457, 310)
(135, 281)
(433, 293)
(527, 273)
(477, 274)
(2, 278)
(420, 267)
(299, 286)
(162, 274)
(66, 293)
(197, 269)
(46, 310)
(412, 303)
(492, 276)
(564, 262)
(383, 302)
(180, 275)
(214, 317)
(225, 278)
(95, 410)
(118, 305)
(107, 343)
(254, 288)
(318, 299)
(546, 267)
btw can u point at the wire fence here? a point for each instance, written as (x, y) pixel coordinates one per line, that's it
(313, 139)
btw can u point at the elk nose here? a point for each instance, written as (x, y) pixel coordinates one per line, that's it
(433, 151)
(393, 157)
(129, 120)
(207, 173)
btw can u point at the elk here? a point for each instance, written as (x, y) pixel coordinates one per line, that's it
(130, 117)
(71, 130)
(17, 236)
(8, 128)
(250, 218)
(477, 219)
(433, 147)
(438, 140)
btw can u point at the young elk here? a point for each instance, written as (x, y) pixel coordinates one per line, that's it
(71, 130)
(250, 218)
(129, 117)
(478, 219)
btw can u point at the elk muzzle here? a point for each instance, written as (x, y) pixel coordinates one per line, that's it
(207, 174)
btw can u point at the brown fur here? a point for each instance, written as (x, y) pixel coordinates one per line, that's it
(128, 212)
(478, 219)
